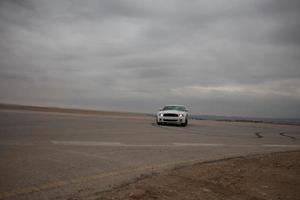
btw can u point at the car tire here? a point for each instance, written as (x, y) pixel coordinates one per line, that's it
(157, 122)
(185, 123)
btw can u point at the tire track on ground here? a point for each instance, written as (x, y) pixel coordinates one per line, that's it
(258, 135)
(285, 135)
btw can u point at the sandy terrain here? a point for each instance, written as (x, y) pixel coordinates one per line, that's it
(271, 176)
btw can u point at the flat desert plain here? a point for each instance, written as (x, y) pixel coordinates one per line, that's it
(58, 154)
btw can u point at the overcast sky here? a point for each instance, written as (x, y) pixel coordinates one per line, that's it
(233, 57)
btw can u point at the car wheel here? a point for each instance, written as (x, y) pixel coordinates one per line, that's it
(185, 123)
(157, 122)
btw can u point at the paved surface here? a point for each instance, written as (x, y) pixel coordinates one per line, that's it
(62, 156)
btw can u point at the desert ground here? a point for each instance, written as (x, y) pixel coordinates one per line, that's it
(57, 154)
(267, 176)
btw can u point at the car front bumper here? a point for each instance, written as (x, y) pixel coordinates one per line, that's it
(171, 120)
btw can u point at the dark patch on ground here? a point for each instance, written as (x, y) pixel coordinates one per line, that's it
(258, 134)
(285, 135)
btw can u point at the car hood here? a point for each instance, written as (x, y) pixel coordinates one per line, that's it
(172, 111)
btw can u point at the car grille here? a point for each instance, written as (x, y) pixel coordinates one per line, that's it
(170, 120)
(170, 115)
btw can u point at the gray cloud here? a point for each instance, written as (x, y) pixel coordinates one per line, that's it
(218, 57)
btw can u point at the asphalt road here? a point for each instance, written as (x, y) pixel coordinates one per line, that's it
(69, 156)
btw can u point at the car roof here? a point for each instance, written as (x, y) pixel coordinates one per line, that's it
(175, 105)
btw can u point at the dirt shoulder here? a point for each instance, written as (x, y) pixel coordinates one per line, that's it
(270, 176)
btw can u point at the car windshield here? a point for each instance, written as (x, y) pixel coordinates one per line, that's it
(180, 108)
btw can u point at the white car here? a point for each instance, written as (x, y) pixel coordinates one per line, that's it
(172, 114)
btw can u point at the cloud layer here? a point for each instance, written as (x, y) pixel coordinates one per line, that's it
(218, 57)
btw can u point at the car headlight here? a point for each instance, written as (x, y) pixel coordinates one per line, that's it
(181, 115)
(160, 114)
